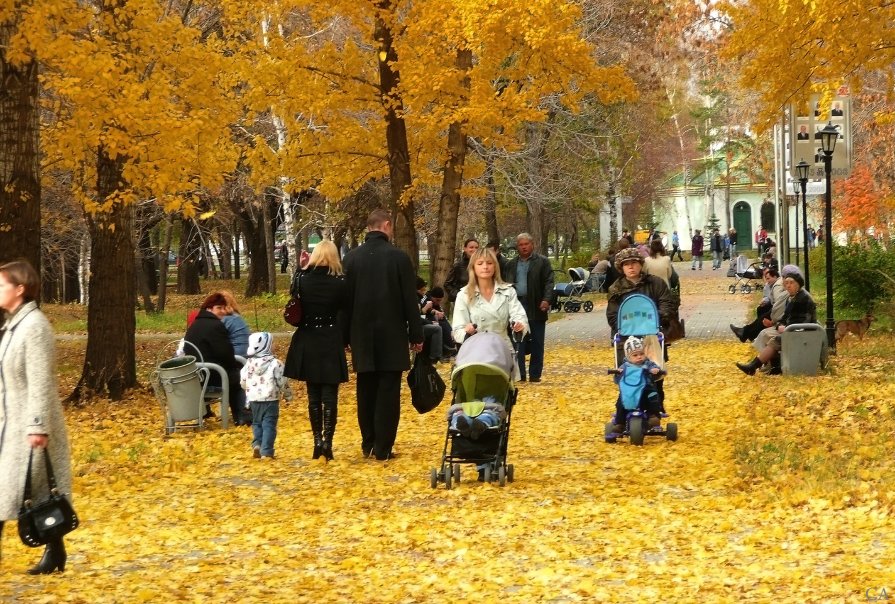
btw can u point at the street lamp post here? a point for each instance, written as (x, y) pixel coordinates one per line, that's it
(795, 189)
(802, 171)
(828, 137)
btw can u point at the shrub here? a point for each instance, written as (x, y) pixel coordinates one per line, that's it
(860, 273)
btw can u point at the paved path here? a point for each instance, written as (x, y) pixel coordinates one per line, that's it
(706, 307)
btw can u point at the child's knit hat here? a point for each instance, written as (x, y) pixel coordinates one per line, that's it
(260, 344)
(633, 344)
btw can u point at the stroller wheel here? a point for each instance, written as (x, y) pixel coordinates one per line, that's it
(447, 478)
(671, 432)
(488, 473)
(509, 472)
(433, 478)
(732, 288)
(569, 307)
(609, 433)
(635, 427)
(502, 476)
(588, 306)
(747, 289)
(457, 473)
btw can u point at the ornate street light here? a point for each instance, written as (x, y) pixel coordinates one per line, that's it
(828, 137)
(802, 171)
(795, 190)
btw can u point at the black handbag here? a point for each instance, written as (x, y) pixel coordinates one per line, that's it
(426, 386)
(293, 312)
(49, 520)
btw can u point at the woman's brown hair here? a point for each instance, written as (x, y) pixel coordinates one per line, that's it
(20, 272)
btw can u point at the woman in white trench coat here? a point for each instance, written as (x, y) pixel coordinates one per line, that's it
(30, 412)
(486, 303)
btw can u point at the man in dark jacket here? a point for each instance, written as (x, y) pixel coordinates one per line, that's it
(717, 248)
(532, 276)
(210, 338)
(383, 309)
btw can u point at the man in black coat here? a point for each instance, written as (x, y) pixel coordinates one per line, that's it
(383, 310)
(532, 276)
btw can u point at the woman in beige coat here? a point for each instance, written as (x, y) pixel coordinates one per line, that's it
(31, 414)
(658, 264)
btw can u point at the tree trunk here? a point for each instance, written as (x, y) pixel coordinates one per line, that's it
(146, 273)
(189, 255)
(163, 269)
(256, 251)
(400, 177)
(267, 228)
(110, 364)
(449, 204)
(226, 243)
(491, 201)
(19, 158)
(237, 233)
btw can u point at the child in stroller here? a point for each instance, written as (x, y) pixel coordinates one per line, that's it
(744, 275)
(640, 399)
(479, 415)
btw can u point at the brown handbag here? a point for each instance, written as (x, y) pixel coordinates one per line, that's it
(293, 312)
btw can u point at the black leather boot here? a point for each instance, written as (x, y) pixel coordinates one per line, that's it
(330, 415)
(751, 367)
(53, 559)
(315, 413)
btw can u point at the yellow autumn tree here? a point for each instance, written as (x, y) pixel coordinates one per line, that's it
(139, 111)
(369, 89)
(788, 50)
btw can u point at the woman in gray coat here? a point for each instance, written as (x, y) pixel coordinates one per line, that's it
(31, 414)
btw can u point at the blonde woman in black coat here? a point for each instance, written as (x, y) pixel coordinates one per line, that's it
(317, 351)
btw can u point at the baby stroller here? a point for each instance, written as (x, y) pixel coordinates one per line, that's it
(744, 273)
(483, 371)
(638, 316)
(573, 292)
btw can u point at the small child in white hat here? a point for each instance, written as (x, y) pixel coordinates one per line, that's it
(263, 381)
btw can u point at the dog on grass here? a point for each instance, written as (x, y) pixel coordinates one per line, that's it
(858, 327)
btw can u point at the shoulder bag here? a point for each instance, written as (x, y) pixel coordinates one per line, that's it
(49, 520)
(292, 313)
(426, 386)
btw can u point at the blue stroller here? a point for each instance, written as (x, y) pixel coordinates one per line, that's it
(639, 317)
(482, 378)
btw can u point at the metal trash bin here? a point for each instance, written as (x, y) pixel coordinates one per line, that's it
(802, 348)
(182, 391)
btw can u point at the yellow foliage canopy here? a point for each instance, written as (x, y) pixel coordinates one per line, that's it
(788, 50)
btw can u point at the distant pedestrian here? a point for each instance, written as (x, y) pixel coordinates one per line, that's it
(263, 381)
(732, 236)
(284, 258)
(657, 263)
(532, 276)
(627, 235)
(502, 261)
(716, 246)
(761, 237)
(384, 325)
(459, 274)
(676, 247)
(696, 246)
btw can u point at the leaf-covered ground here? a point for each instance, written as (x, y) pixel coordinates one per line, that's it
(779, 489)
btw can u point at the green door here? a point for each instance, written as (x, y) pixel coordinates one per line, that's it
(742, 222)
